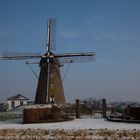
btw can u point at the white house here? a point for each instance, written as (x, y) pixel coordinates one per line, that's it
(17, 100)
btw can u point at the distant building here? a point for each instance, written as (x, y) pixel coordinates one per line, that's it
(15, 101)
(1, 107)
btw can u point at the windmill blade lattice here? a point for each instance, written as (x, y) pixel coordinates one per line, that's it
(51, 34)
(76, 57)
(20, 56)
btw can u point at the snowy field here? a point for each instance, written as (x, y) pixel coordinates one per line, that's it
(82, 123)
(77, 129)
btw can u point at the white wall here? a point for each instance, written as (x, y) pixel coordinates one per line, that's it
(17, 103)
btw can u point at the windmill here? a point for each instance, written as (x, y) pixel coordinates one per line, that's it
(50, 88)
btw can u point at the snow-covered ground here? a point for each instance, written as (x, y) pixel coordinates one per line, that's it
(82, 123)
(78, 129)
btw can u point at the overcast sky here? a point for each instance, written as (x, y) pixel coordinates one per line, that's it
(111, 28)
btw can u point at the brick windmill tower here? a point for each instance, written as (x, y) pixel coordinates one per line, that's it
(50, 88)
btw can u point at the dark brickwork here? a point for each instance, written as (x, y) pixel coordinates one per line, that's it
(40, 115)
(55, 90)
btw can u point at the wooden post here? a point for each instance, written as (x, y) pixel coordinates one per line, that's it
(77, 109)
(104, 107)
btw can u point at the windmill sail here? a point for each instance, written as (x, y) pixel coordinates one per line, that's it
(51, 34)
(20, 56)
(76, 57)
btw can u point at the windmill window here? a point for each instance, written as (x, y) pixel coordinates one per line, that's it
(13, 103)
(21, 103)
(52, 99)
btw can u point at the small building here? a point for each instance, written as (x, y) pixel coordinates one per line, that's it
(17, 100)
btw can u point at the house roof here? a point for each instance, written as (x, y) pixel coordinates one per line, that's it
(18, 97)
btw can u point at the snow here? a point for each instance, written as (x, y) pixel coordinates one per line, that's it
(83, 128)
(40, 106)
(82, 123)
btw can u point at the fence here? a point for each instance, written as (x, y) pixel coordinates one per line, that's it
(90, 107)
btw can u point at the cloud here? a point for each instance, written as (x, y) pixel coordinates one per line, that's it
(99, 28)
(70, 34)
(128, 35)
(114, 35)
